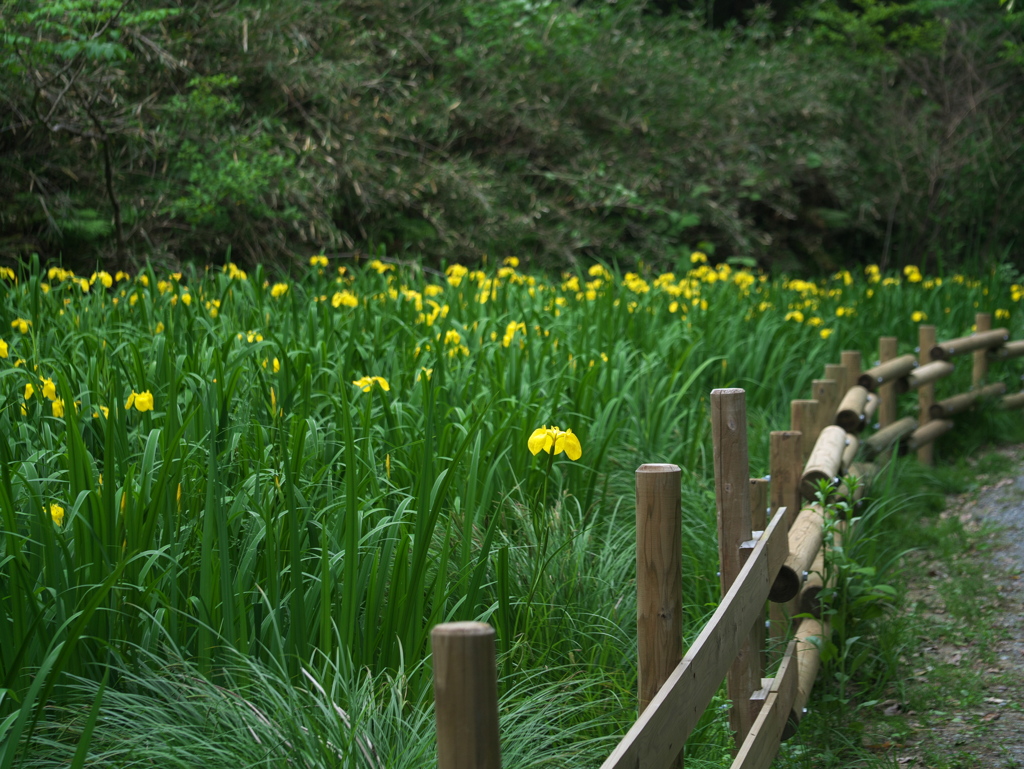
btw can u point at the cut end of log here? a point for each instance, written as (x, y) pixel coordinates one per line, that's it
(786, 586)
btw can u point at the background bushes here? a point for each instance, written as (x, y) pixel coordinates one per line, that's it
(553, 130)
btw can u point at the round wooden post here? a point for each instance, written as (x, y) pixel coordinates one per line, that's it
(466, 696)
(785, 464)
(925, 393)
(826, 392)
(982, 322)
(803, 419)
(759, 522)
(659, 581)
(838, 373)
(732, 497)
(853, 362)
(887, 348)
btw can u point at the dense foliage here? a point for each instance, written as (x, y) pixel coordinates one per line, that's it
(236, 505)
(546, 128)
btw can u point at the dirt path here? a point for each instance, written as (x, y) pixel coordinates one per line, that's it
(975, 718)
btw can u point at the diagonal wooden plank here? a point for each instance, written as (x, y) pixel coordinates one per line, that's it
(659, 734)
(762, 743)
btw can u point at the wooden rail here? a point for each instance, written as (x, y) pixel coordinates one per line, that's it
(766, 552)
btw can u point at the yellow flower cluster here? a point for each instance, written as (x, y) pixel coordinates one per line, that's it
(453, 343)
(344, 298)
(510, 333)
(912, 273)
(455, 273)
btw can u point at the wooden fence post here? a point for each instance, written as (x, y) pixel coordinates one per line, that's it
(785, 465)
(732, 497)
(852, 360)
(466, 696)
(982, 322)
(887, 348)
(659, 582)
(925, 393)
(826, 392)
(839, 374)
(759, 522)
(803, 419)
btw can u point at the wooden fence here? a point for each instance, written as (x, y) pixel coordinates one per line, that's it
(770, 537)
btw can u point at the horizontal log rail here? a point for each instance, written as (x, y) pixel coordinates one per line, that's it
(886, 372)
(959, 403)
(1007, 351)
(983, 340)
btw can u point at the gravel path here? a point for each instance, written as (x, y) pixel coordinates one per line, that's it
(991, 733)
(1002, 505)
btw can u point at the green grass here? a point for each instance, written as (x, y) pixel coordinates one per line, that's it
(268, 520)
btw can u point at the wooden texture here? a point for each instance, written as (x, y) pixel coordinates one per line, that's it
(887, 436)
(826, 392)
(785, 464)
(809, 602)
(732, 478)
(732, 498)
(1010, 402)
(852, 359)
(837, 373)
(979, 371)
(758, 503)
(925, 393)
(759, 749)
(824, 462)
(659, 584)
(465, 696)
(887, 350)
(871, 407)
(809, 636)
(759, 513)
(928, 433)
(803, 419)
(804, 541)
(849, 453)
(889, 371)
(850, 413)
(958, 403)
(658, 735)
(926, 375)
(1007, 351)
(980, 341)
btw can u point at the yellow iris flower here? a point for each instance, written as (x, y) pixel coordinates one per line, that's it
(554, 440)
(57, 514)
(141, 401)
(367, 382)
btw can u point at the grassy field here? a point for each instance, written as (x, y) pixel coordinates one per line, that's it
(235, 506)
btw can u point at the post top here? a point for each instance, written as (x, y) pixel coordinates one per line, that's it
(658, 467)
(462, 629)
(728, 391)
